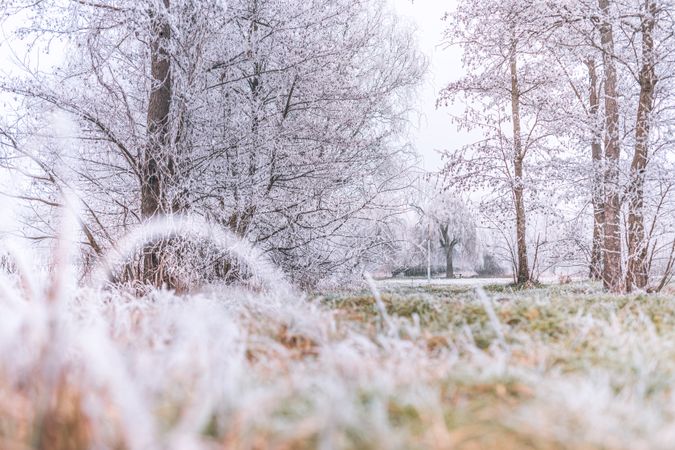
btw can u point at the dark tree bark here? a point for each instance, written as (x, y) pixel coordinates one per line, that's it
(637, 274)
(157, 158)
(448, 243)
(612, 268)
(449, 265)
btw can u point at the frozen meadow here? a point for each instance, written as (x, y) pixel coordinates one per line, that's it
(389, 367)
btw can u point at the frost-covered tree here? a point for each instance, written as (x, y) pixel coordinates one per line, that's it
(454, 225)
(445, 220)
(629, 46)
(312, 159)
(278, 120)
(589, 105)
(504, 93)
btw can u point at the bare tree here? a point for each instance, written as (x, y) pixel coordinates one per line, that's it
(505, 72)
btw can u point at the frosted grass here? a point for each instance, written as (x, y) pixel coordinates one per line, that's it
(229, 367)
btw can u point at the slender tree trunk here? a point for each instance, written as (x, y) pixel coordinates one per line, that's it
(637, 273)
(612, 268)
(523, 275)
(157, 160)
(596, 155)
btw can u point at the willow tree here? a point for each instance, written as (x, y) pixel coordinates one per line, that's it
(455, 228)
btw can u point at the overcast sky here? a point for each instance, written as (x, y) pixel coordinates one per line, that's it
(433, 131)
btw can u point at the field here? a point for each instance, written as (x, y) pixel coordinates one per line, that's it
(391, 367)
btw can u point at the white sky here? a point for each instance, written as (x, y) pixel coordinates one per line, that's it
(433, 131)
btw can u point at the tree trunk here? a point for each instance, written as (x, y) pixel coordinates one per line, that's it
(612, 268)
(523, 275)
(157, 160)
(597, 194)
(449, 266)
(448, 245)
(637, 273)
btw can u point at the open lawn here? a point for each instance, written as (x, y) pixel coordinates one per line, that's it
(438, 367)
